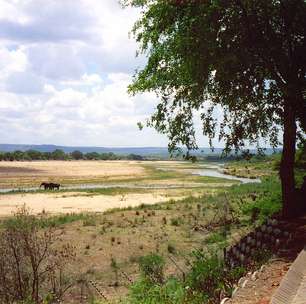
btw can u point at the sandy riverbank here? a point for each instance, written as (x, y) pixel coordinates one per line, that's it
(76, 202)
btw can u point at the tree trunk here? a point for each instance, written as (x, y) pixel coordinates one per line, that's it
(287, 164)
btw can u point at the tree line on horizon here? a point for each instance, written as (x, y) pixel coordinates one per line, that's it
(59, 154)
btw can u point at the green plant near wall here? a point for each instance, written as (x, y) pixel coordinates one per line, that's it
(207, 279)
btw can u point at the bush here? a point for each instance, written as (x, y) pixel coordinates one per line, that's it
(176, 221)
(216, 237)
(267, 202)
(30, 266)
(205, 282)
(265, 206)
(144, 292)
(89, 221)
(152, 268)
(209, 277)
(171, 248)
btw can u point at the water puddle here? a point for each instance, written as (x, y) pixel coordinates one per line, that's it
(220, 174)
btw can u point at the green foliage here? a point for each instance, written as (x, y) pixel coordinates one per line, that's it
(152, 268)
(209, 277)
(177, 221)
(216, 237)
(262, 256)
(58, 154)
(203, 55)
(204, 283)
(144, 292)
(268, 201)
(212, 50)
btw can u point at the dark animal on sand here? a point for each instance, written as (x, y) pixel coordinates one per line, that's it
(50, 186)
(54, 186)
(45, 185)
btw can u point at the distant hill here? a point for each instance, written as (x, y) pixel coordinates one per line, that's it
(144, 151)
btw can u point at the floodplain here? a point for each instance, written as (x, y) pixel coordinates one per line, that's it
(96, 186)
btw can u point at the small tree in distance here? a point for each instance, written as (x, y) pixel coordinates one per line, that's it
(58, 154)
(77, 155)
(249, 57)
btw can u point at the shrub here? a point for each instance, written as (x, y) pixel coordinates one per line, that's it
(205, 282)
(152, 268)
(89, 221)
(144, 292)
(30, 266)
(264, 207)
(115, 268)
(171, 249)
(216, 237)
(209, 277)
(176, 221)
(267, 202)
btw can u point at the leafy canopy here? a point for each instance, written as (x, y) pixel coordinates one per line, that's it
(247, 56)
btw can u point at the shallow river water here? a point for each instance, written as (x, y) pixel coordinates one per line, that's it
(217, 171)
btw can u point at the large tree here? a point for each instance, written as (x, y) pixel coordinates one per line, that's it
(247, 56)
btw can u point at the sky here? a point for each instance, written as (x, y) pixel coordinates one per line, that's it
(64, 70)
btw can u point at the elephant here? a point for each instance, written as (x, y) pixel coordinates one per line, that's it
(50, 186)
(54, 186)
(45, 185)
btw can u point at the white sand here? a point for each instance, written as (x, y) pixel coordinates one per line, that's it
(75, 202)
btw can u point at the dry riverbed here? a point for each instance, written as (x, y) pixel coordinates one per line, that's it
(32, 173)
(127, 183)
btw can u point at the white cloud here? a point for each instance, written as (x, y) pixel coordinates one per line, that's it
(64, 71)
(105, 116)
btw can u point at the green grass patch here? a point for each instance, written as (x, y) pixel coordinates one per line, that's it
(215, 237)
